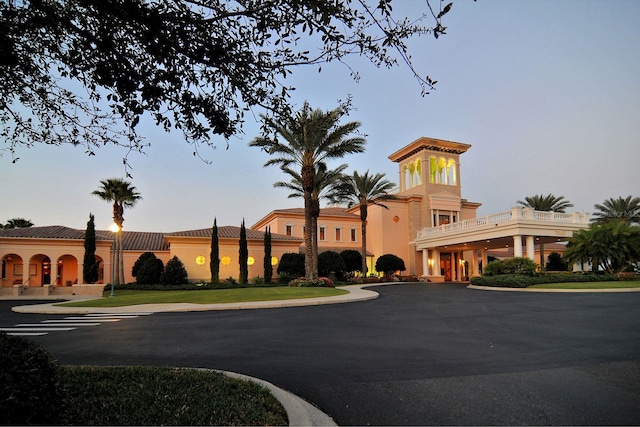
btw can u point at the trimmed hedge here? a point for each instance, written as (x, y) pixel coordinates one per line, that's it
(523, 281)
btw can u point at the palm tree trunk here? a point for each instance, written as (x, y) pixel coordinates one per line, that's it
(542, 266)
(364, 247)
(314, 247)
(308, 237)
(363, 220)
(120, 258)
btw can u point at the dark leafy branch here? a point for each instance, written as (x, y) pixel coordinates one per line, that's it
(85, 72)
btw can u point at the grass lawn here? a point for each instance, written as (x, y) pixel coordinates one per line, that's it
(165, 396)
(588, 285)
(216, 296)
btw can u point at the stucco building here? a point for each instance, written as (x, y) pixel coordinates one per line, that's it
(430, 226)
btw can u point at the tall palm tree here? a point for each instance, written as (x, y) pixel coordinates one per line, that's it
(324, 187)
(123, 195)
(365, 190)
(18, 223)
(626, 209)
(548, 203)
(311, 138)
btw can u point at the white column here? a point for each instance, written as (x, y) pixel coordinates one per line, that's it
(54, 273)
(460, 267)
(80, 273)
(425, 262)
(475, 267)
(436, 263)
(517, 246)
(531, 252)
(484, 258)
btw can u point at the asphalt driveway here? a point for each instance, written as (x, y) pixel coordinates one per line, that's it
(421, 354)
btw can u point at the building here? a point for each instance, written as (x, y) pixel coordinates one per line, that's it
(430, 226)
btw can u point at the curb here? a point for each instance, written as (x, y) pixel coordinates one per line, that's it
(299, 411)
(502, 289)
(356, 293)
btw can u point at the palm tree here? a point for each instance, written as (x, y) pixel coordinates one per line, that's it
(365, 190)
(123, 195)
(324, 187)
(548, 203)
(626, 209)
(18, 223)
(311, 138)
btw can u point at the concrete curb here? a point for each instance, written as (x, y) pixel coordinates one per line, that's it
(501, 289)
(356, 293)
(299, 412)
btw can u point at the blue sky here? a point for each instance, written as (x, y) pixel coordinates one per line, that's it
(546, 92)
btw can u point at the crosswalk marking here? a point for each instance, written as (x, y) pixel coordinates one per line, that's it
(67, 324)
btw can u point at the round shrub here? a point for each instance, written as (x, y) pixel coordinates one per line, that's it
(147, 269)
(330, 261)
(174, 273)
(494, 268)
(352, 260)
(31, 390)
(291, 264)
(389, 264)
(520, 265)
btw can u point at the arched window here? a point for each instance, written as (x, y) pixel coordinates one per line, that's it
(433, 169)
(418, 173)
(451, 172)
(407, 177)
(442, 171)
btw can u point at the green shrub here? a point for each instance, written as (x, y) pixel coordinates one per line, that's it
(520, 265)
(147, 269)
(257, 280)
(323, 282)
(389, 264)
(352, 259)
(31, 390)
(522, 281)
(494, 268)
(331, 262)
(230, 281)
(174, 273)
(556, 263)
(291, 264)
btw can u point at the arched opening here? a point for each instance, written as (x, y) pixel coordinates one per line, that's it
(100, 264)
(67, 271)
(39, 270)
(418, 173)
(451, 172)
(11, 270)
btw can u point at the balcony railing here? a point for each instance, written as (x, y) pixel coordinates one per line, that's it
(504, 217)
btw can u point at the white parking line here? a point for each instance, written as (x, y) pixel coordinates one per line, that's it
(40, 329)
(81, 319)
(117, 314)
(27, 334)
(53, 325)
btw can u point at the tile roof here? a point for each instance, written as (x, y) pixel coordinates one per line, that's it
(131, 240)
(231, 232)
(331, 211)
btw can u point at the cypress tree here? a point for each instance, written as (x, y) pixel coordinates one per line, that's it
(214, 263)
(244, 256)
(90, 267)
(268, 268)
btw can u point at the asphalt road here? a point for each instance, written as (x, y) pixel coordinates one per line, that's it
(421, 354)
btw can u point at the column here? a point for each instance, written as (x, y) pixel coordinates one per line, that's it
(460, 267)
(425, 262)
(531, 252)
(25, 273)
(484, 258)
(475, 267)
(436, 263)
(80, 273)
(517, 246)
(54, 273)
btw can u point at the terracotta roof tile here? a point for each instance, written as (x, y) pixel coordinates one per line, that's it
(231, 232)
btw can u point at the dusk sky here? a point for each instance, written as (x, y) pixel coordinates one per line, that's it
(546, 92)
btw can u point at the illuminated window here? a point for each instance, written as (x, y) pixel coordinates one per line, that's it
(321, 234)
(338, 234)
(353, 234)
(289, 230)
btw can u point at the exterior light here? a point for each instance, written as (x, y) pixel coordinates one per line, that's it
(274, 260)
(225, 260)
(200, 260)
(251, 260)
(114, 228)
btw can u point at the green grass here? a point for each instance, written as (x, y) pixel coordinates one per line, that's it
(217, 296)
(588, 285)
(165, 396)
